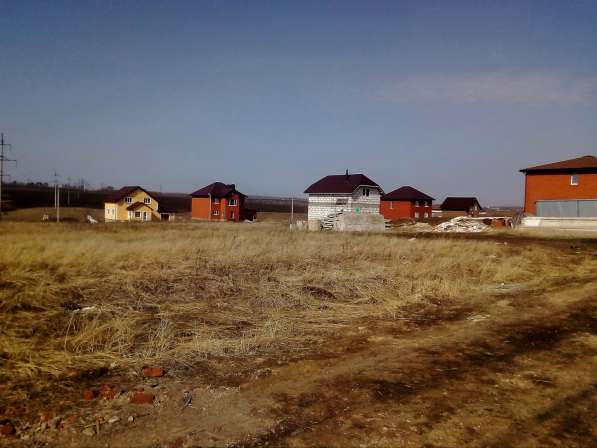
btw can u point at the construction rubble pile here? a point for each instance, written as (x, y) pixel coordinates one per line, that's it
(462, 224)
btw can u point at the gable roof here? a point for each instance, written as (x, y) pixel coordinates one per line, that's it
(217, 189)
(459, 203)
(137, 205)
(584, 163)
(342, 183)
(406, 193)
(127, 190)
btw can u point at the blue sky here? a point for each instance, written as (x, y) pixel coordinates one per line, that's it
(449, 97)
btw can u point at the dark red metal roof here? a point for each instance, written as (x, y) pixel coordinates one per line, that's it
(217, 190)
(125, 191)
(136, 205)
(342, 183)
(459, 203)
(585, 163)
(406, 193)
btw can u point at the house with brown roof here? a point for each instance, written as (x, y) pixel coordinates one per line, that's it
(406, 203)
(333, 194)
(219, 202)
(460, 206)
(132, 203)
(562, 189)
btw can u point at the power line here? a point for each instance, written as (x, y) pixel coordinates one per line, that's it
(2, 160)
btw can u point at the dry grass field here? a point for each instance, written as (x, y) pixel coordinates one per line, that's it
(293, 338)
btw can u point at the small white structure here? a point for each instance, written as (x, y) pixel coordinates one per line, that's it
(331, 195)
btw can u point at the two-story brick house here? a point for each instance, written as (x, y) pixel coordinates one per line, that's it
(406, 203)
(562, 189)
(218, 202)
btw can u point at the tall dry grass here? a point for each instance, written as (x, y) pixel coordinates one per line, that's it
(183, 293)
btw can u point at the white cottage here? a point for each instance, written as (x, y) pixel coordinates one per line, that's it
(343, 193)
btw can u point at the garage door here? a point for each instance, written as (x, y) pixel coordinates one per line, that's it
(582, 208)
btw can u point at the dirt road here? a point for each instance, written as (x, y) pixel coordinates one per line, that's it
(519, 371)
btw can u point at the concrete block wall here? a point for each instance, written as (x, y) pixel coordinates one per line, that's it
(352, 222)
(322, 205)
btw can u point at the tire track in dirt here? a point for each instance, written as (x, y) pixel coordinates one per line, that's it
(425, 368)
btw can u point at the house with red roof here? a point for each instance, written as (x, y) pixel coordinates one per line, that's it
(406, 203)
(219, 202)
(334, 194)
(562, 189)
(134, 203)
(131, 203)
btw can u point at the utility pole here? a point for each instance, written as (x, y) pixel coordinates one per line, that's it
(291, 211)
(57, 196)
(2, 160)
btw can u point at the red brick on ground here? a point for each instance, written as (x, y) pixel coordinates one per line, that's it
(153, 372)
(141, 398)
(89, 394)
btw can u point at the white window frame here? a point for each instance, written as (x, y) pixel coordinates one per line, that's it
(147, 201)
(128, 200)
(366, 192)
(574, 179)
(216, 212)
(216, 200)
(391, 205)
(137, 214)
(232, 202)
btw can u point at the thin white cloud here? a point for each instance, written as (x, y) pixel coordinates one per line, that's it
(526, 89)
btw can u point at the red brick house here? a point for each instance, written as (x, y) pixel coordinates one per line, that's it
(219, 202)
(405, 203)
(460, 206)
(562, 189)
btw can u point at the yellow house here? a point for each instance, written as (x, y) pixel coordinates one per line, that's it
(131, 203)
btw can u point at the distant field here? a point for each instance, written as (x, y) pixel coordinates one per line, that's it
(68, 214)
(78, 214)
(296, 338)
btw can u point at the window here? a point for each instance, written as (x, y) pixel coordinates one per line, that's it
(574, 179)
(137, 214)
(147, 201)
(416, 203)
(144, 216)
(365, 192)
(416, 215)
(128, 200)
(391, 205)
(216, 212)
(216, 200)
(341, 201)
(231, 201)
